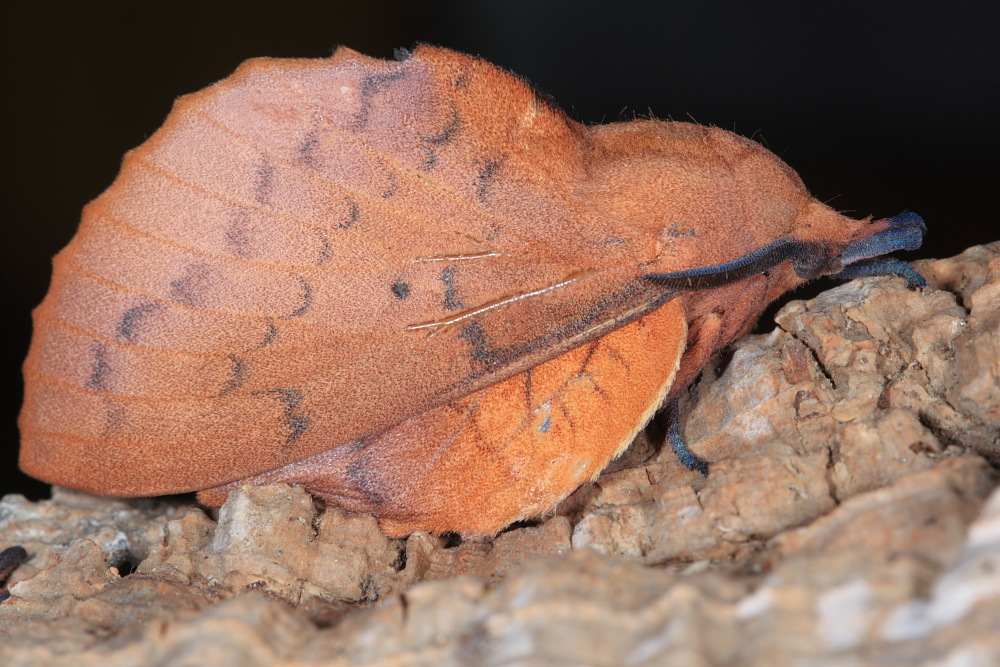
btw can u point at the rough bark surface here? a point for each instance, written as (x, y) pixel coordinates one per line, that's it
(851, 516)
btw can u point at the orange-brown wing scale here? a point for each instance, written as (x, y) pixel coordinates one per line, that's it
(507, 452)
(274, 250)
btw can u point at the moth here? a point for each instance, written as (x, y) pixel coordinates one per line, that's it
(417, 288)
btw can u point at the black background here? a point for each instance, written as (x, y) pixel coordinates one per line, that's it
(881, 107)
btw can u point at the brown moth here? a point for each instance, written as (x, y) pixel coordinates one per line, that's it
(416, 288)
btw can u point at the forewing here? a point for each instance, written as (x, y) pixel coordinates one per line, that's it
(309, 252)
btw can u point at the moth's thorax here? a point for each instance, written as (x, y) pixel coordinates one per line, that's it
(706, 196)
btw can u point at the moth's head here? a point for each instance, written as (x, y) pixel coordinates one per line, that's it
(821, 241)
(857, 248)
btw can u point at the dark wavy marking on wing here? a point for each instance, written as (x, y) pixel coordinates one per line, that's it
(296, 421)
(432, 143)
(272, 333)
(191, 287)
(370, 87)
(100, 367)
(452, 301)
(352, 214)
(489, 172)
(264, 181)
(307, 299)
(237, 375)
(132, 321)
